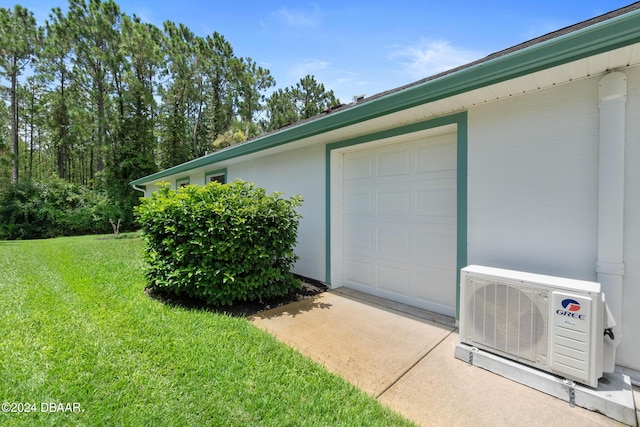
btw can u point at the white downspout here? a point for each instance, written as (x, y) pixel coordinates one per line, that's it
(610, 263)
(144, 191)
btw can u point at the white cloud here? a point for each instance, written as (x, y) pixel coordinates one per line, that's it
(299, 18)
(430, 57)
(312, 67)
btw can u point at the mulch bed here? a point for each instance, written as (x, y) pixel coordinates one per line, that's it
(310, 288)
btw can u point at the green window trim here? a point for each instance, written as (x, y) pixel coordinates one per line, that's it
(460, 120)
(181, 182)
(216, 173)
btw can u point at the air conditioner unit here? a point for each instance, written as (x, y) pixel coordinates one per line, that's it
(562, 326)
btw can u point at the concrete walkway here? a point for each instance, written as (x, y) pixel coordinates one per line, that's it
(404, 357)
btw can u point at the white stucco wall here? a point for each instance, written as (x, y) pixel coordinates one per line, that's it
(197, 178)
(296, 172)
(533, 181)
(533, 189)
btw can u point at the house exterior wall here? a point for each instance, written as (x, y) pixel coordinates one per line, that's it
(296, 172)
(533, 189)
(197, 178)
(532, 199)
(152, 188)
(533, 182)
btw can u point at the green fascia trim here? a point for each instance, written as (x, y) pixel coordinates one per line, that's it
(600, 37)
(460, 120)
(222, 171)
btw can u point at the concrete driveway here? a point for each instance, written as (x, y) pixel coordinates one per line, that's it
(404, 357)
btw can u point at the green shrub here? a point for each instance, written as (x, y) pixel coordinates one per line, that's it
(220, 243)
(34, 210)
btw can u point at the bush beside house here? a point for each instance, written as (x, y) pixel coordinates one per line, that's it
(220, 243)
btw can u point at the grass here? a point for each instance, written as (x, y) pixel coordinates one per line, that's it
(77, 328)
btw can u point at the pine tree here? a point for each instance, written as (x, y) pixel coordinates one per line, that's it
(19, 36)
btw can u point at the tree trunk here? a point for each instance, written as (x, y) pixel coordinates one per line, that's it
(195, 130)
(62, 133)
(14, 124)
(31, 136)
(101, 127)
(91, 175)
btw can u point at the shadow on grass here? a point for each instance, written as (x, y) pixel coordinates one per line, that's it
(307, 293)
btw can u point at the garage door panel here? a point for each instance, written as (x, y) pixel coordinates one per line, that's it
(359, 202)
(359, 167)
(399, 221)
(393, 279)
(393, 241)
(394, 162)
(359, 273)
(436, 157)
(394, 202)
(435, 248)
(438, 201)
(378, 242)
(359, 239)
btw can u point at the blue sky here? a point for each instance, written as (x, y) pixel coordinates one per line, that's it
(360, 47)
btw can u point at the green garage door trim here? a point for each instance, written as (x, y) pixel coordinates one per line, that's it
(460, 120)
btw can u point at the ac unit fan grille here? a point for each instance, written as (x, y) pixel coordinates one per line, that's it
(509, 318)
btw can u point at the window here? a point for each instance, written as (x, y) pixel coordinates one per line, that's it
(181, 182)
(216, 176)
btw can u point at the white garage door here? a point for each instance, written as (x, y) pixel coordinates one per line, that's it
(399, 221)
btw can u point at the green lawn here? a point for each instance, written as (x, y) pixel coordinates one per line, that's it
(78, 330)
